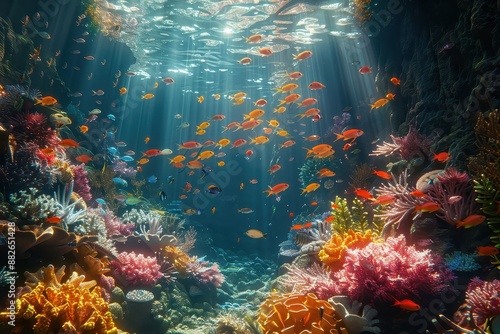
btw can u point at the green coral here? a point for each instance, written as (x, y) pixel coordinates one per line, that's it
(353, 216)
(309, 171)
(489, 199)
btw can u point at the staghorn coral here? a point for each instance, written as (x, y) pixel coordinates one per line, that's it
(137, 269)
(487, 161)
(380, 272)
(297, 313)
(334, 250)
(483, 299)
(52, 307)
(96, 224)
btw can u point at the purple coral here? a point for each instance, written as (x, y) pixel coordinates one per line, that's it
(137, 269)
(113, 224)
(339, 123)
(453, 183)
(381, 272)
(411, 146)
(483, 299)
(81, 186)
(123, 169)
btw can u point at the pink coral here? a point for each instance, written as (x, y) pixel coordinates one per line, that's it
(205, 275)
(483, 299)
(123, 169)
(380, 272)
(81, 186)
(137, 269)
(113, 224)
(34, 128)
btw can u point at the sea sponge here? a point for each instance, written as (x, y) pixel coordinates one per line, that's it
(298, 313)
(334, 250)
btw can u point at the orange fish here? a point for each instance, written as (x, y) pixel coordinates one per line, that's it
(168, 80)
(183, 196)
(290, 99)
(470, 221)
(46, 101)
(288, 143)
(68, 143)
(291, 215)
(254, 38)
(307, 225)
(365, 70)
(275, 190)
(316, 85)
(349, 134)
(303, 55)
(382, 174)
(83, 158)
(325, 172)
(265, 52)
(329, 219)
(314, 203)
(147, 96)
(294, 75)
(260, 102)
(151, 153)
(487, 250)
(84, 129)
(287, 88)
(407, 304)
(383, 200)
(441, 157)
(379, 104)
(308, 102)
(363, 193)
(143, 161)
(54, 220)
(146, 140)
(139, 169)
(296, 227)
(194, 164)
(390, 96)
(395, 81)
(310, 188)
(123, 90)
(418, 193)
(245, 61)
(427, 207)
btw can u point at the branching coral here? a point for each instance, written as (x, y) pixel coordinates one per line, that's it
(483, 299)
(380, 272)
(334, 250)
(487, 161)
(81, 186)
(409, 147)
(204, 274)
(360, 176)
(137, 269)
(354, 218)
(316, 279)
(55, 307)
(297, 313)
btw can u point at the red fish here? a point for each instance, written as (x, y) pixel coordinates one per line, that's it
(189, 145)
(83, 158)
(407, 304)
(68, 143)
(349, 134)
(365, 70)
(54, 220)
(395, 81)
(151, 153)
(470, 221)
(487, 250)
(383, 200)
(418, 193)
(441, 157)
(363, 193)
(382, 174)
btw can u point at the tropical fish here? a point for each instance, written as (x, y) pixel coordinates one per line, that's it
(441, 157)
(84, 158)
(152, 153)
(379, 103)
(254, 38)
(395, 81)
(168, 80)
(46, 101)
(213, 189)
(256, 234)
(54, 220)
(245, 60)
(349, 134)
(132, 200)
(123, 90)
(147, 96)
(310, 188)
(98, 92)
(68, 143)
(407, 304)
(274, 168)
(189, 145)
(308, 102)
(84, 128)
(287, 88)
(245, 210)
(382, 174)
(427, 207)
(390, 96)
(152, 179)
(315, 85)
(303, 55)
(487, 250)
(275, 190)
(265, 52)
(363, 193)
(120, 181)
(365, 70)
(470, 221)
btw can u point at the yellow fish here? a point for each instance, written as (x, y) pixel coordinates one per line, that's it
(201, 99)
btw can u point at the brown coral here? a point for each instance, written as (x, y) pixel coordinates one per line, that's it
(334, 250)
(298, 313)
(487, 161)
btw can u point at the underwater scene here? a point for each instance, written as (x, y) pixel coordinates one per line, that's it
(249, 166)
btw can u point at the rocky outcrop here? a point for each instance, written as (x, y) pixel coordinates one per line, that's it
(14, 54)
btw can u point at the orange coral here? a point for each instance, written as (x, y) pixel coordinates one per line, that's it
(297, 313)
(71, 307)
(176, 257)
(334, 250)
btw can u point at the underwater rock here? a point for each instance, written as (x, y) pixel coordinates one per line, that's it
(14, 48)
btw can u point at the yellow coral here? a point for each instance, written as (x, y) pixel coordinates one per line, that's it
(334, 250)
(177, 258)
(297, 313)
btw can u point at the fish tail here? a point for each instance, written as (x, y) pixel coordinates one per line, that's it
(245, 116)
(417, 208)
(264, 235)
(372, 107)
(269, 192)
(309, 152)
(282, 102)
(303, 190)
(301, 116)
(339, 136)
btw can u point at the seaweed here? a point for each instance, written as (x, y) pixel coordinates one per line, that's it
(352, 216)
(489, 199)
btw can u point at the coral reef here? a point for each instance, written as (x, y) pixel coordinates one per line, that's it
(411, 146)
(81, 186)
(483, 299)
(137, 269)
(356, 322)
(334, 250)
(354, 218)
(487, 161)
(297, 313)
(488, 198)
(380, 272)
(308, 172)
(458, 261)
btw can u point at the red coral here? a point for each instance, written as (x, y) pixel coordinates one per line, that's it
(81, 186)
(137, 269)
(483, 299)
(380, 272)
(413, 145)
(34, 128)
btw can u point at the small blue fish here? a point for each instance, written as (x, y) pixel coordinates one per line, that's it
(110, 134)
(100, 201)
(152, 179)
(162, 196)
(170, 179)
(120, 181)
(213, 189)
(205, 171)
(127, 158)
(113, 150)
(112, 117)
